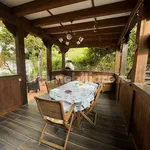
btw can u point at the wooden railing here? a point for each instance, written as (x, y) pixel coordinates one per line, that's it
(135, 101)
(86, 75)
(10, 94)
(91, 76)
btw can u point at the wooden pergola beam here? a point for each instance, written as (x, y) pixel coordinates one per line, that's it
(6, 16)
(93, 44)
(97, 39)
(123, 59)
(120, 21)
(117, 61)
(20, 61)
(99, 32)
(93, 37)
(142, 40)
(132, 20)
(41, 5)
(109, 9)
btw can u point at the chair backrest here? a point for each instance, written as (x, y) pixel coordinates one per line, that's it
(51, 85)
(97, 95)
(50, 108)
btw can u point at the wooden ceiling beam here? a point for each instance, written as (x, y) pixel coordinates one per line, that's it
(41, 5)
(7, 17)
(131, 21)
(93, 44)
(95, 38)
(109, 9)
(107, 31)
(120, 21)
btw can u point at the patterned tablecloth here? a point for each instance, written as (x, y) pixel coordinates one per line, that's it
(78, 92)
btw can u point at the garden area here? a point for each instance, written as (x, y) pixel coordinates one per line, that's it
(94, 59)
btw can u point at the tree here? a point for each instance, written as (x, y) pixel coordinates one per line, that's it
(35, 51)
(7, 45)
(131, 46)
(56, 58)
(96, 59)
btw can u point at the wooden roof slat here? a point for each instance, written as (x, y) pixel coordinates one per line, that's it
(109, 9)
(100, 32)
(93, 44)
(40, 5)
(131, 21)
(7, 17)
(89, 25)
(95, 38)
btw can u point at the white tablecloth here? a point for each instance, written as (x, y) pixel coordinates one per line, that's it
(81, 93)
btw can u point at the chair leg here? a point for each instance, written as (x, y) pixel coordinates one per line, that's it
(65, 145)
(88, 119)
(42, 134)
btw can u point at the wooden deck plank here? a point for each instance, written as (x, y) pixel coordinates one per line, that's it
(12, 137)
(2, 119)
(117, 142)
(33, 145)
(22, 128)
(103, 130)
(6, 146)
(85, 142)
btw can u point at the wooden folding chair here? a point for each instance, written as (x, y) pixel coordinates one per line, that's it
(90, 109)
(53, 113)
(51, 85)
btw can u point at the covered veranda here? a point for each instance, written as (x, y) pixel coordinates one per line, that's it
(123, 122)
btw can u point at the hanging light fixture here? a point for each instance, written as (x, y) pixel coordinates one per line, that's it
(69, 36)
(81, 39)
(67, 43)
(78, 43)
(60, 40)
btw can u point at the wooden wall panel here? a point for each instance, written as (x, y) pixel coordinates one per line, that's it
(141, 122)
(126, 100)
(10, 94)
(135, 101)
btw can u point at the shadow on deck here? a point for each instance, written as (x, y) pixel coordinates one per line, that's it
(21, 130)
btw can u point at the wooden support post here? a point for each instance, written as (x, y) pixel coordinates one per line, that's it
(123, 59)
(117, 61)
(63, 60)
(49, 61)
(20, 60)
(48, 45)
(141, 55)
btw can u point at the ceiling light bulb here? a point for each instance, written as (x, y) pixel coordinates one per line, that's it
(61, 40)
(81, 39)
(67, 42)
(69, 36)
(78, 42)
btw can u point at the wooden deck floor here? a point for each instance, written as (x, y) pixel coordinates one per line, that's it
(21, 129)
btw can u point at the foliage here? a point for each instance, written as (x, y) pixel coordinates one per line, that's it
(7, 45)
(131, 45)
(96, 59)
(56, 58)
(35, 51)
